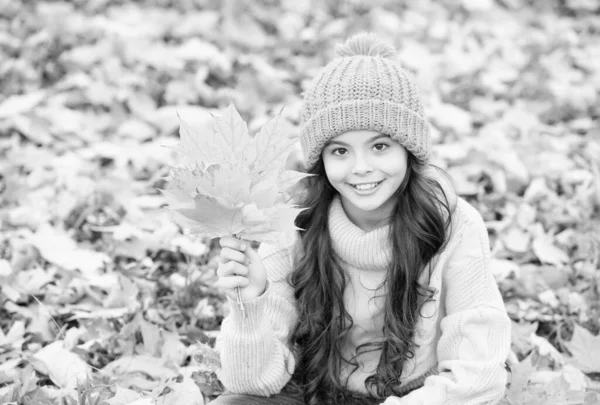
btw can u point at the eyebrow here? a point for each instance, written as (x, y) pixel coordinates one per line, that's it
(368, 141)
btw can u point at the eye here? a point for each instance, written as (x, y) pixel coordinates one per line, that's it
(335, 151)
(380, 146)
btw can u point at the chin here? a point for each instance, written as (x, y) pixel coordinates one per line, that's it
(364, 204)
(368, 207)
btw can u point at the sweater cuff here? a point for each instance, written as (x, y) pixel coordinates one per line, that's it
(253, 314)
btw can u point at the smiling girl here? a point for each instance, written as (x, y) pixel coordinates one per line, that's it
(386, 296)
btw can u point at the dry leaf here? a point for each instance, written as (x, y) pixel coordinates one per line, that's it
(123, 294)
(140, 364)
(205, 358)
(179, 391)
(516, 240)
(585, 349)
(235, 185)
(549, 253)
(124, 396)
(520, 380)
(14, 335)
(503, 269)
(583, 5)
(18, 104)
(59, 248)
(449, 116)
(172, 350)
(65, 369)
(150, 336)
(211, 218)
(520, 336)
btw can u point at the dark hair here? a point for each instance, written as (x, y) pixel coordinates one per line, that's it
(419, 227)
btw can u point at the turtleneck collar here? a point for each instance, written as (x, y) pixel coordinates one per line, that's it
(363, 250)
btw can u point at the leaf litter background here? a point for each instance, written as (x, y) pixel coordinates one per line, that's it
(105, 301)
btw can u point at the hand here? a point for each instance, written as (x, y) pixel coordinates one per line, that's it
(240, 266)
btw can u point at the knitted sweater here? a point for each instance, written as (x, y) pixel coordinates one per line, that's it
(463, 335)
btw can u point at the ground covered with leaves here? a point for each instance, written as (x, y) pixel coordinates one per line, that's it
(104, 300)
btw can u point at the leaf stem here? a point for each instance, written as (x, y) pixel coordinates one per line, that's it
(238, 291)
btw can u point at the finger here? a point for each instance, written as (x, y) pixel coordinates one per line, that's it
(229, 283)
(228, 254)
(233, 243)
(232, 268)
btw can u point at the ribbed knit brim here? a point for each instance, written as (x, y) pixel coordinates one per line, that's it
(363, 89)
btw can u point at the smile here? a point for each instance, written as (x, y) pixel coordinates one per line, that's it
(366, 186)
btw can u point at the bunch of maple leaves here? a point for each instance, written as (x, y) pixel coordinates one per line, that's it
(230, 183)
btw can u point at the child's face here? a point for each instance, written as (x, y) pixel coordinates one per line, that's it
(365, 157)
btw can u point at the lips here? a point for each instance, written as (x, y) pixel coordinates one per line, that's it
(375, 183)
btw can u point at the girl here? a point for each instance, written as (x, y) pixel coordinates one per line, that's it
(386, 296)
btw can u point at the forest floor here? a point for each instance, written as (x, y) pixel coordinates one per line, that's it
(104, 300)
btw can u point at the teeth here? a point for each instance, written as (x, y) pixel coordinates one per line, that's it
(365, 186)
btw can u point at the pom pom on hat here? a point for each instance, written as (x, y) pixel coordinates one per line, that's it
(366, 44)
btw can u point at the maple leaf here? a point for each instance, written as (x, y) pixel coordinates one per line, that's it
(209, 217)
(236, 184)
(520, 380)
(233, 131)
(585, 349)
(199, 151)
(269, 225)
(271, 146)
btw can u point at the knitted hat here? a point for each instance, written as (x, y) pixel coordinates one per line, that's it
(363, 88)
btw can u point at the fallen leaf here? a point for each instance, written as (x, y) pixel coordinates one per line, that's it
(585, 349)
(59, 248)
(520, 380)
(575, 379)
(124, 396)
(65, 368)
(583, 5)
(545, 349)
(18, 104)
(549, 253)
(205, 358)
(15, 334)
(175, 392)
(150, 336)
(138, 364)
(123, 294)
(449, 116)
(516, 240)
(502, 269)
(143, 401)
(520, 336)
(26, 381)
(173, 351)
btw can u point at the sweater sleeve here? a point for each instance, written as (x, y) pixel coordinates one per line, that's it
(476, 331)
(255, 351)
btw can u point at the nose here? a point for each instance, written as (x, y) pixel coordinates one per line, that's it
(362, 164)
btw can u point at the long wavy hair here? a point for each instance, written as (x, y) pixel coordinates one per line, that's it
(419, 227)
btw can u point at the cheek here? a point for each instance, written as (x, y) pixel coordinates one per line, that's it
(395, 167)
(335, 170)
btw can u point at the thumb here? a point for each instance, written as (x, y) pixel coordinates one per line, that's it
(252, 254)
